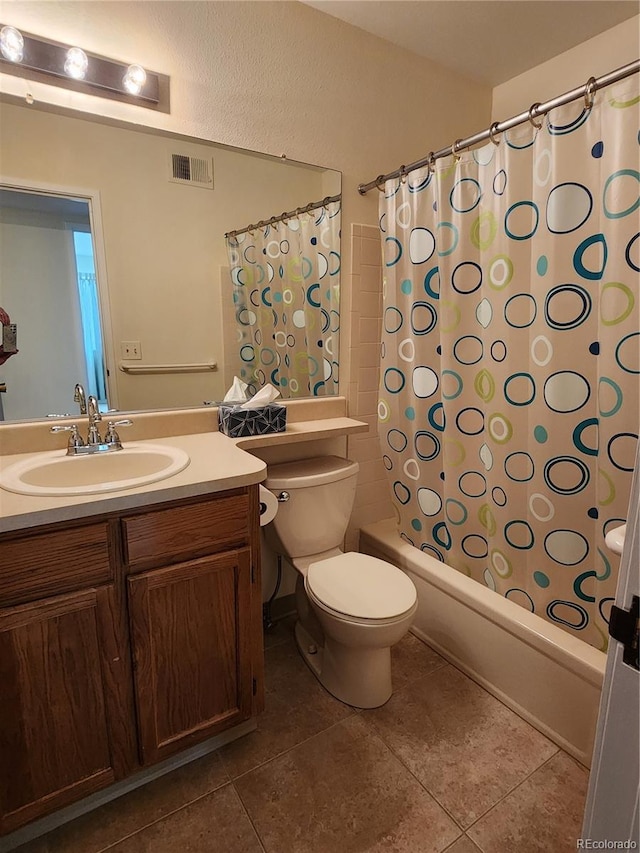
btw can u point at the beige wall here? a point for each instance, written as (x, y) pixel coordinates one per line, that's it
(163, 241)
(593, 58)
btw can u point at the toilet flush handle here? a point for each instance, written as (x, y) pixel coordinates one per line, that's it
(283, 497)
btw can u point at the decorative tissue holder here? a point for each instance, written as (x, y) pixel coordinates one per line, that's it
(237, 422)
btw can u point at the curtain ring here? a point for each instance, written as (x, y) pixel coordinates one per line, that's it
(589, 92)
(532, 109)
(431, 163)
(403, 174)
(380, 187)
(454, 150)
(493, 130)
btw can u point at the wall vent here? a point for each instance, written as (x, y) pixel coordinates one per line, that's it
(195, 171)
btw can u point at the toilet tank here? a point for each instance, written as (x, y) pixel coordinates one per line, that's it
(321, 494)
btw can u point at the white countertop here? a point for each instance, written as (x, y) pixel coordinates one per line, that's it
(216, 464)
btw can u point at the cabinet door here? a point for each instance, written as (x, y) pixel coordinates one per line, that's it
(190, 626)
(54, 742)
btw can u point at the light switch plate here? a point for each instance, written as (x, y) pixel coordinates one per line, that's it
(131, 350)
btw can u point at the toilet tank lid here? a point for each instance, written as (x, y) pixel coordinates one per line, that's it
(317, 471)
(361, 586)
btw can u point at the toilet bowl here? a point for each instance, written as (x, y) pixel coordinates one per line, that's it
(351, 607)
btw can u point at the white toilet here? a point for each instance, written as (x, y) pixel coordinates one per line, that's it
(351, 607)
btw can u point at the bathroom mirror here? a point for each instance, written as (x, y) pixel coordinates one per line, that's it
(114, 265)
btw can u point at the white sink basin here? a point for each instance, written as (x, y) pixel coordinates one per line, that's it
(53, 474)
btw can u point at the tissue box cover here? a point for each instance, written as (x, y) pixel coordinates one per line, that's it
(261, 420)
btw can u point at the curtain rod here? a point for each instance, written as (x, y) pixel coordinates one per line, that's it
(306, 209)
(587, 91)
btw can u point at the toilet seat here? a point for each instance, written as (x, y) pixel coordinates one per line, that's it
(359, 587)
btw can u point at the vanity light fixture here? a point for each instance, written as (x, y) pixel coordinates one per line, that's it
(46, 61)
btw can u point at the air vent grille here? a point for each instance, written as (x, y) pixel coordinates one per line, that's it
(195, 171)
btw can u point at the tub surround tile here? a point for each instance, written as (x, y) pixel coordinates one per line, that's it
(126, 815)
(343, 790)
(466, 748)
(215, 822)
(371, 251)
(543, 813)
(296, 708)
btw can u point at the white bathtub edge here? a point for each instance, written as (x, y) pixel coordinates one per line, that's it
(570, 672)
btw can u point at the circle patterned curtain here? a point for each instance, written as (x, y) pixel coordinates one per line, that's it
(286, 291)
(509, 401)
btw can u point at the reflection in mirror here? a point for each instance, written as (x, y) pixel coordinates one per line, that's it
(156, 208)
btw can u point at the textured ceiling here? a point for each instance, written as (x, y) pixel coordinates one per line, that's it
(490, 41)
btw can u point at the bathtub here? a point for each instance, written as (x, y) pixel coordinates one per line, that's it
(545, 675)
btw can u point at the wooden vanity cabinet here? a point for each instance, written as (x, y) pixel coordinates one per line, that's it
(122, 641)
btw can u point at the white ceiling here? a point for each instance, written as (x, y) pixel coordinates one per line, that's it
(488, 40)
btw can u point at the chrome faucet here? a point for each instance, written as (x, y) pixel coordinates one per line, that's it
(94, 417)
(79, 397)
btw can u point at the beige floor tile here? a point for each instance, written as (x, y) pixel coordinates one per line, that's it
(412, 659)
(129, 813)
(343, 790)
(297, 707)
(217, 822)
(465, 747)
(543, 814)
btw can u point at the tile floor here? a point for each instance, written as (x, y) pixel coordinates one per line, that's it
(443, 766)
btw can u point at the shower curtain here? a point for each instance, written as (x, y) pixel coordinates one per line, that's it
(286, 290)
(510, 356)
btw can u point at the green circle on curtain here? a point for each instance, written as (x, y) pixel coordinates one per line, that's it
(621, 105)
(616, 293)
(620, 193)
(442, 253)
(455, 511)
(449, 316)
(484, 230)
(611, 489)
(487, 519)
(484, 385)
(527, 219)
(501, 564)
(500, 272)
(615, 408)
(500, 428)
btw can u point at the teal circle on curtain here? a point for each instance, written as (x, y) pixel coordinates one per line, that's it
(247, 353)
(471, 188)
(520, 396)
(391, 242)
(458, 380)
(577, 437)
(427, 445)
(394, 380)
(311, 289)
(604, 380)
(500, 182)
(519, 535)
(578, 263)
(442, 253)
(572, 609)
(542, 265)
(619, 214)
(577, 586)
(566, 475)
(540, 434)
(624, 356)
(560, 312)
(439, 530)
(410, 413)
(541, 579)
(423, 318)
(631, 246)
(434, 294)
(406, 286)
(437, 409)
(531, 227)
(455, 511)
(521, 311)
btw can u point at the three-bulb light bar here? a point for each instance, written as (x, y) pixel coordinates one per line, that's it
(27, 55)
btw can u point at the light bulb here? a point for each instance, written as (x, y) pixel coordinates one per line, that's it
(76, 63)
(134, 79)
(11, 44)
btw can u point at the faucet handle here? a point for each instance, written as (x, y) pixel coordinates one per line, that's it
(75, 439)
(112, 436)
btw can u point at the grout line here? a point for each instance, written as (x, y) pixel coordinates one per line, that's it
(249, 818)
